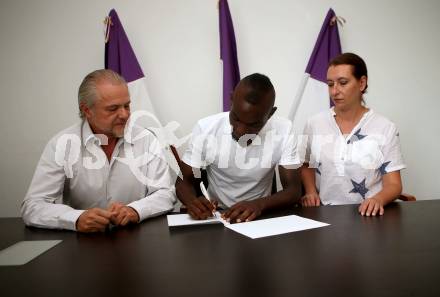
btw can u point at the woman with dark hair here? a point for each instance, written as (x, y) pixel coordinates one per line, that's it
(353, 154)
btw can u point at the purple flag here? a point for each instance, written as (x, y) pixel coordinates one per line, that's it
(312, 95)
(228, 53)
(327, 46)
(119, 56)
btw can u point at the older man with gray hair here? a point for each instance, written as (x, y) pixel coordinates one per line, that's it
(85, 180)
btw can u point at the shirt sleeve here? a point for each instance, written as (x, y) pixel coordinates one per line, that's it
(160, 196)
(39, 207)
(194, 155)
(392, 155)
(306, 142)
(289, 154)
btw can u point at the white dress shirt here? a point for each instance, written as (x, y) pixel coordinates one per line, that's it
(349, 168)
(74, 174)
(239, 173)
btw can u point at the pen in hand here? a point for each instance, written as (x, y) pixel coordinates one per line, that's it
(205, 194)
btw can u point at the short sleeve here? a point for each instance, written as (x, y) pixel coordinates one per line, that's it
(393, 159)
(289, 154)
(194, 155)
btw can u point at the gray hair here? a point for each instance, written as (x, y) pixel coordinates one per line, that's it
(87, 92)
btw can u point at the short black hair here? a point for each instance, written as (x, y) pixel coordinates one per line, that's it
(260, 86)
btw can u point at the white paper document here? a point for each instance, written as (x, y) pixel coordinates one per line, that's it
(24, 251)
(185, 220)
(275, 226)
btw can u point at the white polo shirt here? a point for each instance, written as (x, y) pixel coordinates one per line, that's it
(349, 168)
(238, 173)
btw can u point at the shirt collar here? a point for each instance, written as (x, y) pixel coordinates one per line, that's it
(228, 127)
(89, 137)
(87, 134)
(267, 127)
(365, 115)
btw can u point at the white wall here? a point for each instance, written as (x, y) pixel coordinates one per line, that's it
(48, 46)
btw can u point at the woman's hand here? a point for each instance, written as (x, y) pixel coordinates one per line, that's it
(371, 207)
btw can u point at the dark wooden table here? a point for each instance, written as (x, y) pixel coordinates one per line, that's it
(394, 255)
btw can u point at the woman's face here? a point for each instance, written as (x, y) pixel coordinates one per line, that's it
(344, 89)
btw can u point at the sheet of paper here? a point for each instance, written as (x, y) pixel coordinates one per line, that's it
(275, 226)
(185, 220)
(23, 251)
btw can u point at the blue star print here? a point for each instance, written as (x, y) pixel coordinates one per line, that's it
(359, 188)
(383, 168)
(359, 135)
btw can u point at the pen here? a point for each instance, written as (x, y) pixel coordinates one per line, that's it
(205, 193)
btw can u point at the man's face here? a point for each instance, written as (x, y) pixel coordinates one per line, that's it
(246, 118)
(110, 112)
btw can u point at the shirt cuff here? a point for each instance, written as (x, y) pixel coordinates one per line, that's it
(137, 206)
(188, 160)
(291, 164)
(68, 219)
(395, 168)
(152, 208)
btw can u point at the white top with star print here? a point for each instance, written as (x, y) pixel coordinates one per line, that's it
(349, 168)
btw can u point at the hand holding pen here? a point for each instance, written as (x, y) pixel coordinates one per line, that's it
(201, 208)
(205, 194)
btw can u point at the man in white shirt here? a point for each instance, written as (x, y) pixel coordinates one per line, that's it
(91, 175)
(240, 150)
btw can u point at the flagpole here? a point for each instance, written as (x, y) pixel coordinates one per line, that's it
(298, 96)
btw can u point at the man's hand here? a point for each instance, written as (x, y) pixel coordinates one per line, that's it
(310, 200)
(244, 211)
(123, 214)
(371, 206)
(200, 208)
(93, 220)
